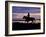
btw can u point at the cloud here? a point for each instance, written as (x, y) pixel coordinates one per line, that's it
(20, 15)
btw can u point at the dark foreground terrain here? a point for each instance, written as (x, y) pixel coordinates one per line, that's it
(25, 26)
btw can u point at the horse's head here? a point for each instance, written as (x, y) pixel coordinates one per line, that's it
(24, 17)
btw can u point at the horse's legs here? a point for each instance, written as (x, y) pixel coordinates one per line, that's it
(27, 21)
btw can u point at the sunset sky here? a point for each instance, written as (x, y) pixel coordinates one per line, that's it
(19, 12)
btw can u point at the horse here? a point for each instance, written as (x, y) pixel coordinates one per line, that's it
(28, 19)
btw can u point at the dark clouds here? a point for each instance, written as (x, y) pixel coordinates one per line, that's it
(16, 9)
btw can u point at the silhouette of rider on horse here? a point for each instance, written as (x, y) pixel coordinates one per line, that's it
(28, 18)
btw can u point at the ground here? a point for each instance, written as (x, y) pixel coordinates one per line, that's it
(25, 26)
